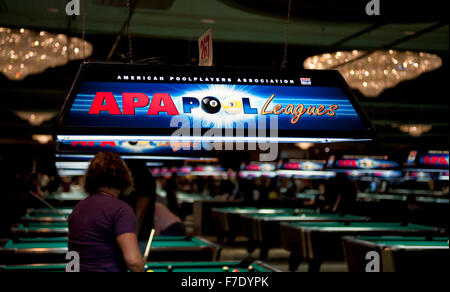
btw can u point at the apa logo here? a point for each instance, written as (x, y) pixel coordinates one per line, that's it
(367, 163)
(440, 160)
(353, 163)
(163, 102)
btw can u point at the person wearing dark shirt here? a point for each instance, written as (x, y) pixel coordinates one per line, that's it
(341, 195)
(171, 189)
(102, 228)
(142, 199)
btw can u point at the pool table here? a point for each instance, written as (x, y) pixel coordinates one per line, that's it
(374, 197)
(319, 241)
(53, 250)
(183, 267)
(48, 217)
(43, 211)
(35, 229)
(398, 253)
(229, 223)
(186, 201)
(66, 199)
(264, 229)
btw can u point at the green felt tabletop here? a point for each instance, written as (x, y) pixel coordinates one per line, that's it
(359, 225)
(307, 216)
(41, 239)
(37, 226)
(67, 196)
(43, 215)
(263, 211)
(208, 267)
(59, 242)
(28, 245)
(202, 267)
(408, 241)
(49, 210)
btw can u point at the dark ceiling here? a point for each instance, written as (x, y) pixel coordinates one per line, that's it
(243, 36)
(397, 11)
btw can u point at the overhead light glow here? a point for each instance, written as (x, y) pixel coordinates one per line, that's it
(139, 157)
(42, 139)
(26, 52)
(415, 130)
(304, 146)
(35, 118)
(374, 73)
(61, 138)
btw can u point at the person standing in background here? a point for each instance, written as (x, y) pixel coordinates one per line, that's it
(142, 199)
(102, 228)
(171, 189)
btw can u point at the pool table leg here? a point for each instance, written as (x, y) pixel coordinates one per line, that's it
(294, 261)
(314, 265)
(264, 252)
(231, 238)
(251, 245)
(220, 237)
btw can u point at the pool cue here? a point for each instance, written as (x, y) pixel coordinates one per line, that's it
(149, 245)
(48, 205)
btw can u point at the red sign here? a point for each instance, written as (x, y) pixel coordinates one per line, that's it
(205, 49)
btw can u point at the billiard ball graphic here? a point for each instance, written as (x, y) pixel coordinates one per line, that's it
(169, 269)
(136, 145)
(232, 105)
(225, 269)
(251, 268)
(211, 105)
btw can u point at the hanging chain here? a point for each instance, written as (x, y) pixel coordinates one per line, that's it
(286, 36)
(83, 33)
(130, 44)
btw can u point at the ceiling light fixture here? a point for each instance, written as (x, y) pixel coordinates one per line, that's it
(415, 130)
(36, 119)
(374, 73)
(304, 146)
(25, 52)
(42, 139)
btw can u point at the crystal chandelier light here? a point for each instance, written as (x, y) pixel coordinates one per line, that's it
(304, 146)
(415, 130)
(42, 139)
(35, 118)
(24, 52)
(374, 73)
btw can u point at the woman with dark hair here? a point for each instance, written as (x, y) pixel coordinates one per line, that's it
(102, 228)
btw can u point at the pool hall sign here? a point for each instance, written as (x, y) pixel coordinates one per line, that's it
(142, 102)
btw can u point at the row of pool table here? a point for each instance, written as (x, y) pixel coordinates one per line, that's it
(53, 250)
(40, 243)
(314, 238)
(180, 267)
(41, 237)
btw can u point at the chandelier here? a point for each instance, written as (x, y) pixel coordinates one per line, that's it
(415, 130)
(304, 146)
(24, 52)
(42, 139)
(35, 118)
(373, 73)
